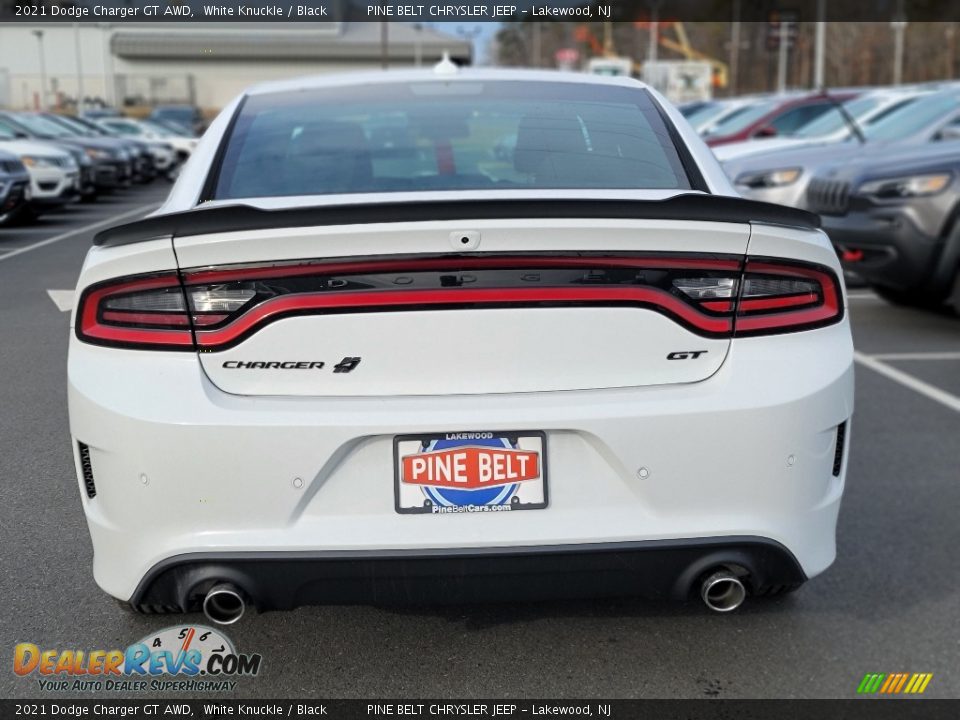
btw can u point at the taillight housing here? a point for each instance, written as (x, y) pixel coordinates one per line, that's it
(145, 311)
(779, 296)
(215, 308)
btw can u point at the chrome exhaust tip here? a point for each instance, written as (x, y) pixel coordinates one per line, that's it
(722, 591)
(223, 604)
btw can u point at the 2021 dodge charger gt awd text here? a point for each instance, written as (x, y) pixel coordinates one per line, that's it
(359, 356)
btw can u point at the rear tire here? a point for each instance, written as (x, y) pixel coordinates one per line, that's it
(908, 298)
(953, 300)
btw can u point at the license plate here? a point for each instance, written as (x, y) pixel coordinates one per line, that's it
(470, 472)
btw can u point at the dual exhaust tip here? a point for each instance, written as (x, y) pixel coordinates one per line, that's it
(721, 591)
(224, 604)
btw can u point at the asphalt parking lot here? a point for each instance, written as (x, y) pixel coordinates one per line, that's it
(890, 603)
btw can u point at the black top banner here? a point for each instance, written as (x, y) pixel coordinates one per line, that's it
(118, 11)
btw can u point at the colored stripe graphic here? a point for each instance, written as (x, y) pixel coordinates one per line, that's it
(894, 683)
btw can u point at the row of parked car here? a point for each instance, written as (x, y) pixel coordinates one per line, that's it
(48, 160)
(881, 166)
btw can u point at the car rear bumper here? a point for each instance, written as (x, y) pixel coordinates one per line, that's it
(888, 247)
(181, 467)
(652, 569)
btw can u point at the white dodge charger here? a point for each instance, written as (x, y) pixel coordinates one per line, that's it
(456, 336)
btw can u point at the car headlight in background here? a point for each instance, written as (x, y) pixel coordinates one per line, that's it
(38, 161)
(95, 154)
(769, 178)
(902, 187)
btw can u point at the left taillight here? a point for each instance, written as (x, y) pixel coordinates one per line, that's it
(140, 312)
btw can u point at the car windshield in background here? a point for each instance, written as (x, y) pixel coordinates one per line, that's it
(737, 122)
(707, 113)
(912, 119)
(440, 136)
(41, 126)
(834, 120)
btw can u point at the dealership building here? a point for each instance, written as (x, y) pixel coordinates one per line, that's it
(205, 64)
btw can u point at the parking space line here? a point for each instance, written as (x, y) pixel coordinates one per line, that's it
(63, 299)
(112, 220)
(917, 356)
(908, 381)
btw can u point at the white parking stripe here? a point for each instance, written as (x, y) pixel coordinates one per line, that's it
(909, 381)
(917, 356)
(86, 228)
(63, 299)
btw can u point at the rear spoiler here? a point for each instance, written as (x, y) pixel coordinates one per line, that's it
(235, 218)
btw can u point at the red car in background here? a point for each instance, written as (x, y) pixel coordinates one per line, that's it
(781, 115)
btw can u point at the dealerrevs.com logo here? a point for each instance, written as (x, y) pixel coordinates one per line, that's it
(188, 658)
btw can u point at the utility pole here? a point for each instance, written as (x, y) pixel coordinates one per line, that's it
(819, 47)
(38, 34)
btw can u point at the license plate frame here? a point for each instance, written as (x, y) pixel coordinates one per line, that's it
(529, 494)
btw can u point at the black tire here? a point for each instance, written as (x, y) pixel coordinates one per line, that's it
(908, 298)
(953, 300)
(27, 215)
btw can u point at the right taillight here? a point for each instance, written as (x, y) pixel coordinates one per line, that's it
(778, 296)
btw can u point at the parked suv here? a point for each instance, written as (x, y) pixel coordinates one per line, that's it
(54, 173)
(894, 221)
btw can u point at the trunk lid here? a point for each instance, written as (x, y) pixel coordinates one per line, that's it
(462, 306)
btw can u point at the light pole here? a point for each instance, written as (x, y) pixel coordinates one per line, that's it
(652, 49)
(735, 47)
(418, 45)
(899, 26)
(38, 34)
(76, 46)
(819, 48)
(782, 57)
(384, 45)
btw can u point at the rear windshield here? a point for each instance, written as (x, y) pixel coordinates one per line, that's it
(436, 136)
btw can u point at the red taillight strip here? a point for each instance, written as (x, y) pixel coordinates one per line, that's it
(524, 262)
(774, 303)
(416, 299)
(142, 318)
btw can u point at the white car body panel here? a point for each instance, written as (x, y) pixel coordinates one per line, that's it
(641, 448)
